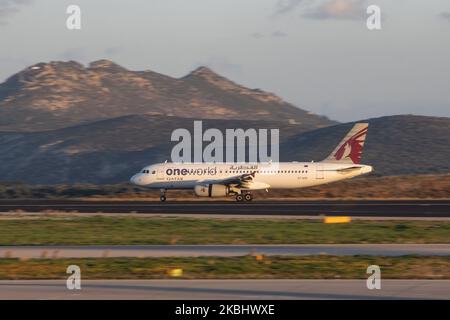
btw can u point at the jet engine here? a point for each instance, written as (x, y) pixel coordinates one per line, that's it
(212, 190)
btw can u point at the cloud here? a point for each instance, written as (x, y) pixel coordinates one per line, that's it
(338, 9)
(257, 35)
(275, 34)
(279, 34)
(286, 6)
(445, 15)
(10, 7)
(323, 9)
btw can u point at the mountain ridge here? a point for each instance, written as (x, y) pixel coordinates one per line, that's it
(58, 94)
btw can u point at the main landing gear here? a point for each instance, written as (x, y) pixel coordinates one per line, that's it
(247, 197)
(163, 195)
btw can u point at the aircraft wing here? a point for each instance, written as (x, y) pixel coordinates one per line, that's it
(245, 181)
(239, 180)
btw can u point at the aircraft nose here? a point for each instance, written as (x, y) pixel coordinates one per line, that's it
(135, 179)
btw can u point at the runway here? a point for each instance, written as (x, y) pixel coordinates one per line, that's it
(224, 289)
(422, 208)
(157, 251)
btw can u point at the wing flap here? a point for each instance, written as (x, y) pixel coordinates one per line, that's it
(245, 182)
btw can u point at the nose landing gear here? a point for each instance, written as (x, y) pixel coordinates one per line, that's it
(163, 198)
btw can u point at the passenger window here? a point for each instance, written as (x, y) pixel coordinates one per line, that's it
(153, 172)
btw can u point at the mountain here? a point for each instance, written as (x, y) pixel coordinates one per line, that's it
(395, 145)
(48, 96)
(110, 151)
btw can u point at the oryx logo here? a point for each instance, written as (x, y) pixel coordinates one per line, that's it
(352, 148)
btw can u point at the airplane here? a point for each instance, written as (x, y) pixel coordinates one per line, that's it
(239, 179)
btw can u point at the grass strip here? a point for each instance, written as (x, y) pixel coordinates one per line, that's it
(248, 267)
(149, 230)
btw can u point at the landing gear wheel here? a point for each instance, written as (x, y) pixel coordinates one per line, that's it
(163, 198)
(239, 198)
(248, 197)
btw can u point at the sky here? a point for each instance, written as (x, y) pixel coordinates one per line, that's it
(317, 54)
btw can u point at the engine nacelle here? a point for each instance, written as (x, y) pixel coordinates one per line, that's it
(212, 190)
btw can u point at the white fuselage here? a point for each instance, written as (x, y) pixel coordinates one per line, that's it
(284, 175)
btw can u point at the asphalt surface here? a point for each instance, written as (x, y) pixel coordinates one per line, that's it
(225, 289)
(139, 251)
(426, 208)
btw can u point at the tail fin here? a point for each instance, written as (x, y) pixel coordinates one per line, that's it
(349, 150)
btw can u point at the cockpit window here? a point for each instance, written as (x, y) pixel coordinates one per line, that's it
(146, 171)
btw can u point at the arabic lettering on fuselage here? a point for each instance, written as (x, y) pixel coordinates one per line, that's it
(244, 167)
